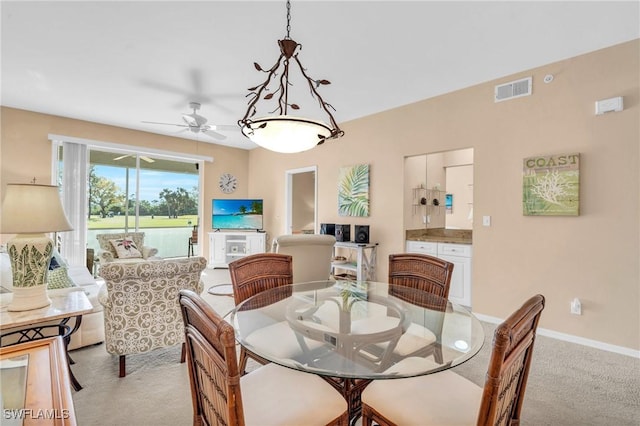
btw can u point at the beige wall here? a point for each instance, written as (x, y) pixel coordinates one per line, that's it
(594, 256)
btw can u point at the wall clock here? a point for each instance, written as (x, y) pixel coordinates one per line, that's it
(228, 183)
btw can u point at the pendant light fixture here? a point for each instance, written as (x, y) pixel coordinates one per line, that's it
(283, 132)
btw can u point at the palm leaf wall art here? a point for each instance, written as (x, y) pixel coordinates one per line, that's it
(353, 191)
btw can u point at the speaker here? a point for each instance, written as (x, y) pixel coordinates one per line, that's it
(328, 228)
(362, 234)
(343, 233)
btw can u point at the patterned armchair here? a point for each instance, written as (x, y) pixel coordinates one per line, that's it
(108, 253)
(141, 307)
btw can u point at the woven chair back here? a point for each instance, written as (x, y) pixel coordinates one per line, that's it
(213, 367)
(256, 273)
(421, 271)
(509, 365)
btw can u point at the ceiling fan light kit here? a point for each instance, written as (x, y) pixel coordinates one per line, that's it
(286, 133)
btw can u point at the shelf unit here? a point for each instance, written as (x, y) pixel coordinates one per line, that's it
(364, 265)
(423, 197)
(225, 247)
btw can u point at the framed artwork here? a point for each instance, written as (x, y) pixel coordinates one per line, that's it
(448, 203)
(551, 185)
(353, 191)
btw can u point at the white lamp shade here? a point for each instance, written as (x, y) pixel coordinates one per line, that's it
(33, 209)
(286, 134)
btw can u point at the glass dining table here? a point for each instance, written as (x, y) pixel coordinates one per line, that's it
(353, 332)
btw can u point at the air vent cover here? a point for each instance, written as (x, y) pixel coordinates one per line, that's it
(512, 90)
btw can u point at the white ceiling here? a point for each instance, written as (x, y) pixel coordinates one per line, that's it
(122, 62)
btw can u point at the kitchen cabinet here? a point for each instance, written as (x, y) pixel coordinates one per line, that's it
(461, 257)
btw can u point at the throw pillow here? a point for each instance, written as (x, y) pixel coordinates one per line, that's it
(56, 260)
(59, 278)
(6, 275)
(126, 248)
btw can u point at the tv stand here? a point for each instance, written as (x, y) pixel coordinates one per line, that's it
(225, 247)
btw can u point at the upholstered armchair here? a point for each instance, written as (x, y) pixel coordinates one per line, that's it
(312, 254)
(141, 307)
(124, 247)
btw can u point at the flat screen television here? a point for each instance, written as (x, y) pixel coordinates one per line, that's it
(243, 214)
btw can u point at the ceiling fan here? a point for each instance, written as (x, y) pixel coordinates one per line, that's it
(198, 124)
(142, 157)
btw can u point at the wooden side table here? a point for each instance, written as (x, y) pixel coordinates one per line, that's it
(32, 325)
(40, 394)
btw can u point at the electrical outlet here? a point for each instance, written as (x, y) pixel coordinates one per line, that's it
(486, 220)
(576, 307)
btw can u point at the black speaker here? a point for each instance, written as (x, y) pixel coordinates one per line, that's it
(343, 233)
(328, 228)
(362, 234)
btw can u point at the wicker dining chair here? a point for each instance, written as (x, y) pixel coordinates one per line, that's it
(429, 274)
(254, 274)
(445, 398)
(269, 395)
(421, 271)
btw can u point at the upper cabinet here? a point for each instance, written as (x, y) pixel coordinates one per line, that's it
(439, 190)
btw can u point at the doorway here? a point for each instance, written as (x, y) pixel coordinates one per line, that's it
(302, 200)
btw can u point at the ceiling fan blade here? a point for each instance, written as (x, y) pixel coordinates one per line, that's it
(225, 127)
(215, 135)
(166, 124)
(142, 157)
(196, 80)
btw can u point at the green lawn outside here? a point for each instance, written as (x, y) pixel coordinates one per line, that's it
(116, 222)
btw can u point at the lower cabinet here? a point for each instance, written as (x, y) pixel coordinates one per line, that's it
(458, 254)
(225, 247)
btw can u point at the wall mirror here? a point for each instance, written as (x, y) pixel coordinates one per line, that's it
(439, 190)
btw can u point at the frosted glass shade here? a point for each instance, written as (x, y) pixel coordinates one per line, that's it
(286, 134)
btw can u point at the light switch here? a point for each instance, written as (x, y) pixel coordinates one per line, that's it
(486, 220)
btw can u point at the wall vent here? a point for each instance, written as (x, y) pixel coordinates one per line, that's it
(514, 89)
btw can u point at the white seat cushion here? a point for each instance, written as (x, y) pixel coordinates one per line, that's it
(442, 398)
(81, 276)
(288, 345)
(416, 337)
(275, 395)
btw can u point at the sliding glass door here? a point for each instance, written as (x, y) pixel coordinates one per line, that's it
(134, 192)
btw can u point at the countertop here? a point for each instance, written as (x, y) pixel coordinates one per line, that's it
(440, 235)
(436, 239)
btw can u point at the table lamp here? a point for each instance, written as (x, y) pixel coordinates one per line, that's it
(30, 211)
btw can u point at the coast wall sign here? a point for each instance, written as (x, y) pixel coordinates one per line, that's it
(551, 185)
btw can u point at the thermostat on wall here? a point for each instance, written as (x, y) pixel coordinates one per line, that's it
(609, 105)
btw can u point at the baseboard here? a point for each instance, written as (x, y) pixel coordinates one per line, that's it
(571, 338)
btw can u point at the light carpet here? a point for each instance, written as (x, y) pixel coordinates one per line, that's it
(568, 384)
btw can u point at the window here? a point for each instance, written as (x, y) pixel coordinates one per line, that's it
(113, 188)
